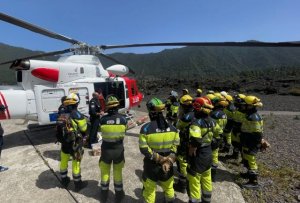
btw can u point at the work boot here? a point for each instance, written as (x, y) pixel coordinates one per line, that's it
(3, 168)
(244, 175)
(234, 155)
(180, 186)
(226, 148)
(80, 185)
(252, 183)
(104, 195)
(65, 181)
(213, 173)
(119, 196)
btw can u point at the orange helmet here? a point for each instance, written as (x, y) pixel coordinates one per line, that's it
(203, 104)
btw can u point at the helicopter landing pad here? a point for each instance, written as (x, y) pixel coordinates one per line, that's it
(33, 161)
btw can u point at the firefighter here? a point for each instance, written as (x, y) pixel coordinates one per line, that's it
(237, 117)
(95, 113)
(62, 108)
(251, 139)
(158, 142)
(201, 133)
(73, 147)
(182, 125)
(229, 110)
(113, 128)
(172, 106)
(220, 117)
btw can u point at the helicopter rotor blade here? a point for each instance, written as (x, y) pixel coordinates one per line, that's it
(36, 29)
(53, 53)
(251, 43)
(116, 61)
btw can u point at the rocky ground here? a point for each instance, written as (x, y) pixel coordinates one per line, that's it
(279, 166)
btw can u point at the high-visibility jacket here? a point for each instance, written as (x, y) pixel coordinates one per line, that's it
(229, 110)
(79, 124)
(113, 128)
(152, 139)
(252, 131)
(183, 125)
(220, 117)
(201, 133)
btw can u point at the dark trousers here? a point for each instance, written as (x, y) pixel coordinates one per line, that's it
(94, 130)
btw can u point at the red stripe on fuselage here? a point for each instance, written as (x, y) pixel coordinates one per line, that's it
(4, 103)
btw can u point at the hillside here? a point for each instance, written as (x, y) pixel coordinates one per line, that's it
(210, 61)
(188, 62)
(10, 53)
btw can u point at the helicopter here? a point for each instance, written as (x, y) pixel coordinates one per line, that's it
(41, 84)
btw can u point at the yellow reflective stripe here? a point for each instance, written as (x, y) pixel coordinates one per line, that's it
(113, 134)
(252, 126)
(142, 141)
(160, 143)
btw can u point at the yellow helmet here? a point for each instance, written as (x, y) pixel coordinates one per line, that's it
(253, 101)
(71, 99)
(210, 96)
(242, 96)
(111, 101)
(186, 99)
(218, 94)
(229, 98)
(199, 91)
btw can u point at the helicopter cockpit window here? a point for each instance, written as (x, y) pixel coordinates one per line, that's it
(81, 70)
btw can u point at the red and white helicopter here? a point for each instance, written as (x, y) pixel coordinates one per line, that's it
(41, 84)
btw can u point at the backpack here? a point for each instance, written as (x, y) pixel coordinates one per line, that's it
(65, 132)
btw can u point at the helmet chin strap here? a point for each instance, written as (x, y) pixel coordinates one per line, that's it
(162, 124)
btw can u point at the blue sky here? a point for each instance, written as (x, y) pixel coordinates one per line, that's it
(111, 22)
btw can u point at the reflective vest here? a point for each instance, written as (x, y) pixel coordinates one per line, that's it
(113, 127)
(152, 139)
(203, 130)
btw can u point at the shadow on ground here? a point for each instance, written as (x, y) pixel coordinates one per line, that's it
(38, 136)
(52, 154)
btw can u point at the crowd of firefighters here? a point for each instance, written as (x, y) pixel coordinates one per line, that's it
(189, 131)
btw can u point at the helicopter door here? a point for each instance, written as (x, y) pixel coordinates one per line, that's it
(47, 103)
(115, 88)
(83, 93)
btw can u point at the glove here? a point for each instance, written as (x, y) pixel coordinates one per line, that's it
(158, 158)
(168, 163)
(264, 145)
(192, 150)
(166, 166)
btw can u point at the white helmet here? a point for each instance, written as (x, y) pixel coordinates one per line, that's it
(223, 93)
